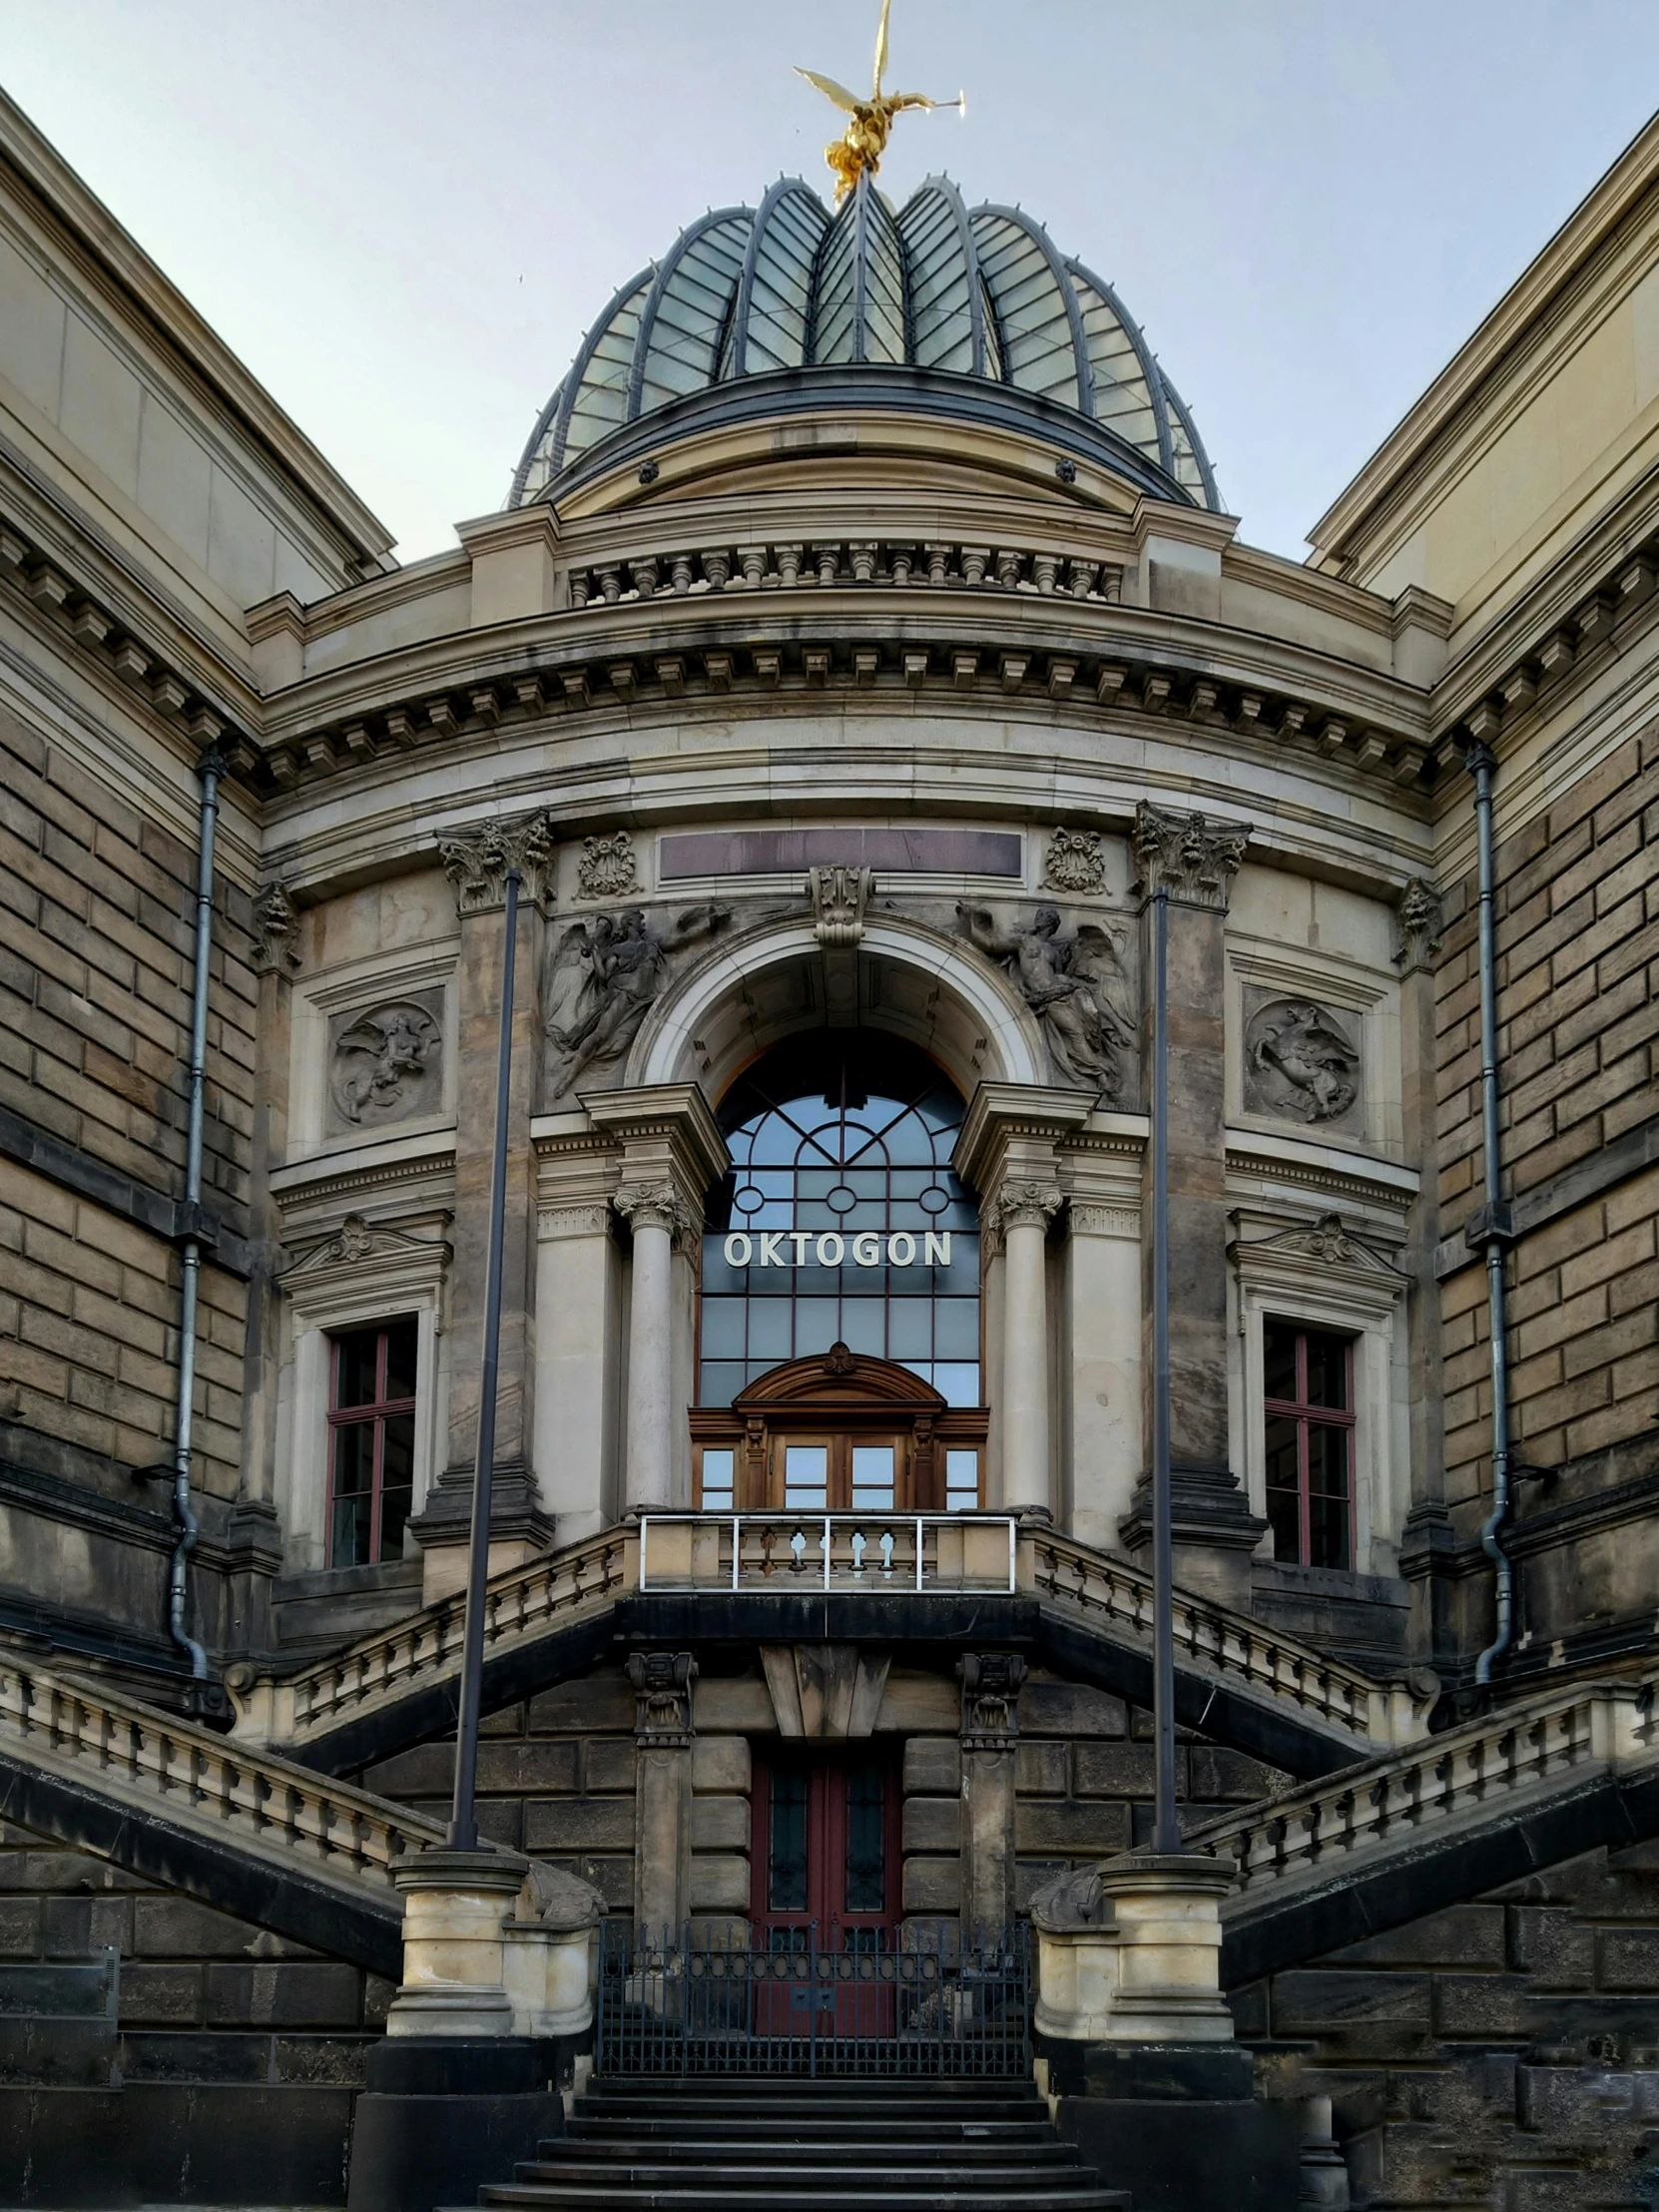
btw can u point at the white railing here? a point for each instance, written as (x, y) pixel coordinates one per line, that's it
(1317, 1831)
(783, 1553)
(1209, 1636)
(175, 1768)
(524, 1603)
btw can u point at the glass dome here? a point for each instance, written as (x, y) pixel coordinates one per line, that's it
(931, 306)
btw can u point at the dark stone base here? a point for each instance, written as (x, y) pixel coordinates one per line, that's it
(1190, 2154)
(441, 2120)
(1217, 2073)
(164, 2142)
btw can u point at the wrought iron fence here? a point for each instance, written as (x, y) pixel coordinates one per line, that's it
(928, 1999)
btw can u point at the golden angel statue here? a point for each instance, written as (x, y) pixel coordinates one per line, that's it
(872, 119)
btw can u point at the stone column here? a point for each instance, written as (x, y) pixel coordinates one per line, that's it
(1009, 1152)
(1194, 860)
(990, 1731)
(672, 1150)
(663, 1793)
(477, 864)
(580, 1363)
(1429, 1544)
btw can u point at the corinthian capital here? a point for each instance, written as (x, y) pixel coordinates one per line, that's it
(479, 861)
(658, 1205)
(1028, 1204)
(1191, 857)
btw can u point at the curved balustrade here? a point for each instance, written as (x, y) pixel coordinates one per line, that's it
(655, 574)
(868, 1553)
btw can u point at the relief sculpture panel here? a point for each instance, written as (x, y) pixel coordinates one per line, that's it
(1301, 1062)
(1077, 984)
(604, 978)
(385, 1063)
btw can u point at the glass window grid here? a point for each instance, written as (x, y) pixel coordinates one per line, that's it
(1310, 1421)
(882, 1167)
(375, 1413)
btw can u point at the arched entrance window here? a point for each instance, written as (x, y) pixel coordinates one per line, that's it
(840, 1222)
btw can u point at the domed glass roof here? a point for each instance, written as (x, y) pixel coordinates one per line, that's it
(930, 306)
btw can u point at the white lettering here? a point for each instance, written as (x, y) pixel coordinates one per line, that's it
(739, 1250)
(867, 1249)
(772, 1249)
(901, 1250)
(800, 1240)
(935, 1250)
(832, 1250)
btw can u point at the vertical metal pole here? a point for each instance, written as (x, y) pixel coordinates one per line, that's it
(1481, 765)
(463, 1821)
(1166, 1829)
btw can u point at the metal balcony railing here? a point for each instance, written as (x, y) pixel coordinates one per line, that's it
(782, 1553)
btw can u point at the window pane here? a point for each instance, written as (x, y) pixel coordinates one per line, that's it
(354, 1459)
(956, 1329)
(723, 1320)
(910, 1329)
(1328, 1529)
(957, 1382)
(786, 1853)
(356, 1362)
(873, 1477)
(807, 1476)
(1327, 1370)
(394, 1513)
(863, 1326)
(1279, 1361)
(961, 1481)
(768, 1331)
(401, 1342)
(719, 1469)
(867, 1871)
(1284, 1500)
(349, 1536)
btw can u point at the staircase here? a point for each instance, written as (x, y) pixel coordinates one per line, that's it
(781, 2145)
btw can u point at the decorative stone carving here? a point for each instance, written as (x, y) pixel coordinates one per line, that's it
(991, 1682)
(661, 1683)
(478, 861)
(1074, 863)
(1077, 987)
(355, 1243)
(1022, 1205)
(1073, 1899)
(839, 896)
(1422, 918)
(1300, 1062)
(386, 1064)
(606, 868)
(1191, 857)
(276, 925)
(605, 974)
(1328, 1240)
(659, 1206)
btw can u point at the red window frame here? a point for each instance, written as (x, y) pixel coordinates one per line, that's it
(1304, 1416)
(376, 1411)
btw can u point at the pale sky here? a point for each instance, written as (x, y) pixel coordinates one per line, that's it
(403, 213)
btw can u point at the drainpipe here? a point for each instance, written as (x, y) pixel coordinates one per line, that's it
(210, 767)
(1491, 1227)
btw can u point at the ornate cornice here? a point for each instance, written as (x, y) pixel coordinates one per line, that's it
(1188, 857)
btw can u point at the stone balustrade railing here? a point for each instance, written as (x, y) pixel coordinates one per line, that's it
(820, 563)
(1316, 1832)
(861, 1553)
(177, 1771)
(1226, 1643)
(524, 1603)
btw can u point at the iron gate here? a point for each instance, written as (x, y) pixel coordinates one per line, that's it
(928, 2001)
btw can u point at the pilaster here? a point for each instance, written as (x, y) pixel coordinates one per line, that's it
(1192, 861)
(992, 1683)
(663, 1740)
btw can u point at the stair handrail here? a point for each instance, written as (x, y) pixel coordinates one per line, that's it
(180, 1770)
(1517, 1751)
(1214, 1637)
(523, 1602)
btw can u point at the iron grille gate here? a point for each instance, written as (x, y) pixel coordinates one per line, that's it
(925, 2002)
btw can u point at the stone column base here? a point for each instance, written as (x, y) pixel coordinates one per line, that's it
(1178, 2127)
(441, 2120)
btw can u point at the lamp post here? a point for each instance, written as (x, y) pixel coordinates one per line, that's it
(1166, 1829)
(463, 1819)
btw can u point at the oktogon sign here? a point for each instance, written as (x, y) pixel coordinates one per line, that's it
(832, 1250)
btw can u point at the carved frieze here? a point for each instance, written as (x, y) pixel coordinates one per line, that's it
(479, 861)
(1191, 857)
(1077, 985)
(276, 925)
(1301, 1063)
(606, 868)
(385, 1063)
(604, 976)
(1074, 863)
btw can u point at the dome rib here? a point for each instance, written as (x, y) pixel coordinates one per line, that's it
(913, 307)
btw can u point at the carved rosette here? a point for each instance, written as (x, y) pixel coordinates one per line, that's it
(606, 868)
(1188, 857)
(276, 925)
(1074, 863)
(1422, 918)
(991, 1682)
(659, 1206)
(661, 1683)
(478, 861)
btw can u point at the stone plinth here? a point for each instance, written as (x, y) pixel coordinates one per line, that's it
(454, 1903)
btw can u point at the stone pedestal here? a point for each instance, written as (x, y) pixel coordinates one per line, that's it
(1193, 861)
(454, 1903)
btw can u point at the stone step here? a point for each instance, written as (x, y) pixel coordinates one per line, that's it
(800, 2195)
(808, 2175)
(1032, 2148)
(693, 2127)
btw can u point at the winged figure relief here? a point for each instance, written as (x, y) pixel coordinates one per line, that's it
(605, 974)
(865, 137)
(1077, 987)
